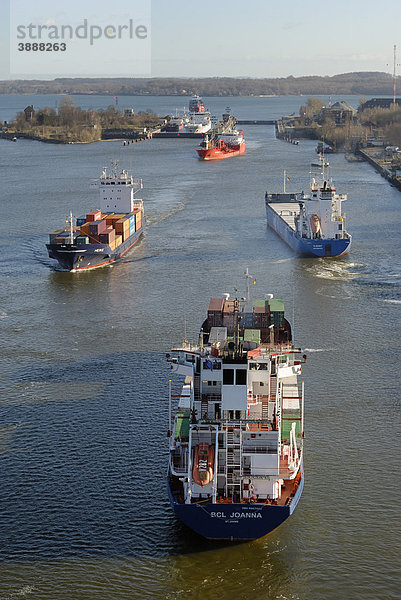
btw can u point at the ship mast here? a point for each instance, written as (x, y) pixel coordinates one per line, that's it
(395, 72)
(71, 229)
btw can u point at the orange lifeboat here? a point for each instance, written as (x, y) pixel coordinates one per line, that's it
(202, 472)
(315, 224)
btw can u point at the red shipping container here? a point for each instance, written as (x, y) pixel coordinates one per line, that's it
(94, 215)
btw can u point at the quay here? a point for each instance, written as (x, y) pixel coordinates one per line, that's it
(376, 157)
(176, 134)
(256, 122)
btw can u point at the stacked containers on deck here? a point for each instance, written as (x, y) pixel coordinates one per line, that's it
(261, 314)
(110, 228)
(113, 218)
(94, 215)
(215, 312)
(95, 228)
(276, 313)
(108, 237)
(131, 218)
(228, 315)
(138, 220)
(122, 228)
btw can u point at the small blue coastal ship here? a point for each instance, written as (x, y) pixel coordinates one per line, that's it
(236, 427)
(312, 223)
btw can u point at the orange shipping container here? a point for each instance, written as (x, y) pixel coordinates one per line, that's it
(118, 240)
(109, 219)
(122, 226)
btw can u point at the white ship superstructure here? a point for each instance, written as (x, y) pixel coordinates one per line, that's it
(236, 441)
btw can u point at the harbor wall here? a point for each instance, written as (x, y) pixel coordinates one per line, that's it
(380, 168)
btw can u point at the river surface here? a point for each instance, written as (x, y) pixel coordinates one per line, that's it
(84, 382)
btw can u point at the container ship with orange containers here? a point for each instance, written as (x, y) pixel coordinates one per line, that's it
(224, 145)
(101, 236)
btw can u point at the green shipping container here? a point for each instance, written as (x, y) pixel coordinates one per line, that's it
(182, 426)
(82, 240)
(276, 309)
(252, 335)
(289, 417)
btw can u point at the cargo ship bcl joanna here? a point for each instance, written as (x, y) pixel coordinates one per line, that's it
(102, 236)
(237, 425)
(312, 223)
(224, 145)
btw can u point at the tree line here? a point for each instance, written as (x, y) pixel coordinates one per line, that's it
(364, 83)
(378, 122)
(72, 123)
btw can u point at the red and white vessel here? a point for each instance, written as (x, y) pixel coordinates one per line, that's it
(229, 143)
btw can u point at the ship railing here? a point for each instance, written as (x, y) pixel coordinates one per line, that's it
(211, 397)
(178, 467)
(178, 471)
(259, 450)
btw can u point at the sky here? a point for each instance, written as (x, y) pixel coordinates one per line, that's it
(207, 38)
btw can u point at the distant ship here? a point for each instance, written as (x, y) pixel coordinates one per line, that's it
(313, 223)
(104, 235)
(176, 123)
(224, 145)
(320, 162)
(323, 148)
(197, 121)
(199, 118)
(236, 438)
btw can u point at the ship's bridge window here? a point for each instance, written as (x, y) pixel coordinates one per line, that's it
(215, 364)
(190, 358)
(240, 377)
(258, 366)
(228, 377)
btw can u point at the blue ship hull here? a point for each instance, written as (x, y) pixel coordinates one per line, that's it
(90, 256)
(234, 522)
(305, 246)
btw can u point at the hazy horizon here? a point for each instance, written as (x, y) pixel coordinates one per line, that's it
(229, 39)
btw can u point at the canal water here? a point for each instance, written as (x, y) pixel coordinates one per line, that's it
(84, 381)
